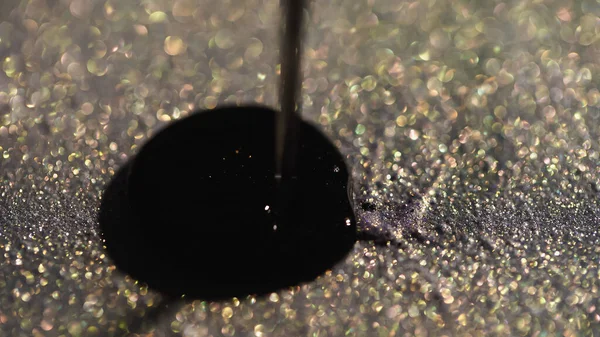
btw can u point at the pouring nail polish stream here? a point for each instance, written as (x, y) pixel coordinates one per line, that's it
(233, 201)
(197, 210)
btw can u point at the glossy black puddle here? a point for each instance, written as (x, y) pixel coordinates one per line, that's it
(194, 213)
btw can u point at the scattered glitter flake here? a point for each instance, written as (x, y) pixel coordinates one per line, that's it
(174, 45)
(471, 129)
(158, 17)
(225, 38)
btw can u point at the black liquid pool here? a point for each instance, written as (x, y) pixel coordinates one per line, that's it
(197, 210)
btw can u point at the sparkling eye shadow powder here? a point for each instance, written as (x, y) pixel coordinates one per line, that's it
(470, 128)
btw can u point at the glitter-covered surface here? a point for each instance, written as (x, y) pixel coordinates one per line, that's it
(471, 126)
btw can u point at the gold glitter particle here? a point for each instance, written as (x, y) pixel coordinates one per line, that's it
(224, 38)
(97, 67)
(174, 45)
(210, 102)
(254, 49)
(274, 297)
(141, 30)
(81, 8)
(236, 13)
(227, 312)
(158, 17)
(471, 128)
(259, 330)
(183, 9)
(99, 48)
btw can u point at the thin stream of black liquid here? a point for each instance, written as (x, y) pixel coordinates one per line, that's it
(307, 243)
(291, 42)
(287, 131)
